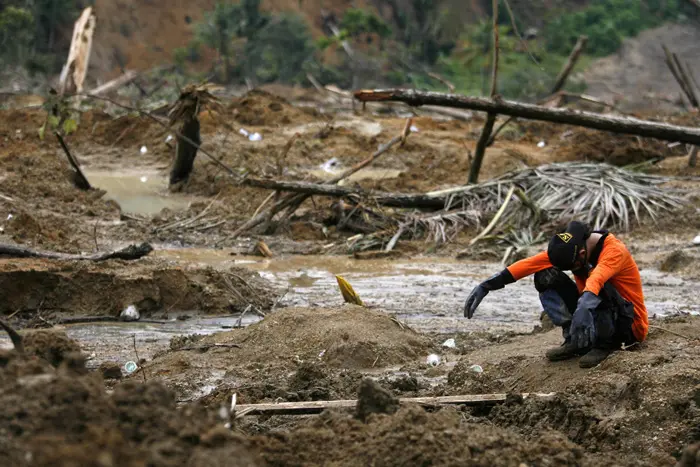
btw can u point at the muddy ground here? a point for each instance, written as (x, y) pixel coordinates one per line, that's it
(218, 319)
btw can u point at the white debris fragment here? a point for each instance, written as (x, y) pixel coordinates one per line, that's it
(433, 360)
(144, 149)
(541, 144)
(9, 217)
(144, 179)
(330, 164)
(414, 129)
(243, 131)
(130, 367)
(696, 240)
(255, 137)
(449, 343)
(476, 369)
(169, 138)
(130, 314)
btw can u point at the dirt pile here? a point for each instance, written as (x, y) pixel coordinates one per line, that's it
(260, 108)
(413, 437)
(65, 417)
(620, 150)
(292, 354)
(51, 345)
(107, 288)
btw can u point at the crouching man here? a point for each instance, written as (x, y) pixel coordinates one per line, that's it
(599, 313)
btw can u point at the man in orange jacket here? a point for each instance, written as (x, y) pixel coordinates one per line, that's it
(600, 312)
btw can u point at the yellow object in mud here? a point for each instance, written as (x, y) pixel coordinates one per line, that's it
(349, 294)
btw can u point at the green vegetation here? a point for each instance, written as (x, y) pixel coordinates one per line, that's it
(29, 32)
(417, 37)
(608, 22)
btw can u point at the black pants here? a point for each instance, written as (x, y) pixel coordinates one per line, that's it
(613, 317)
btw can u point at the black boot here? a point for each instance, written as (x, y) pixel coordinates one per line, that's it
(564, 352)
(594, 357)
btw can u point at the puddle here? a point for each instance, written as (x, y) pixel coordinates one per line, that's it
(144, 193)
(428, 294)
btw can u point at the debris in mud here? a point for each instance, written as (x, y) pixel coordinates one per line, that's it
(258, 108)
(110, 370)
(465, 379)
(374, 399)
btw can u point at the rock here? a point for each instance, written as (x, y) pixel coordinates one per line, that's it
(372, 398)
(111, 370)
(130, 314)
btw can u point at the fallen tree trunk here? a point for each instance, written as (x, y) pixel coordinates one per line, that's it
(397, 200)
(614, 124)
(314, 407)
(131, 252)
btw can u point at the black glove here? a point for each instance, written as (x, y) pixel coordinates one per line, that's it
(494, 282)
(582, 329)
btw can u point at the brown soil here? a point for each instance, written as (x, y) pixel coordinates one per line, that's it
(315, 343)
(154, 286)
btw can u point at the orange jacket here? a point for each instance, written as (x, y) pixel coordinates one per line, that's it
(615, 264)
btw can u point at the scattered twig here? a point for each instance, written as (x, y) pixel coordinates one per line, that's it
(94, 236)
(138, 360)
(209, 346)
(653, 326)
(496, 218)
(570, 64)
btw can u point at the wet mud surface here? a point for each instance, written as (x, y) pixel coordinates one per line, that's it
(218, 319)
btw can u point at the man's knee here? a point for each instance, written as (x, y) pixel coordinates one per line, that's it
(551, 278)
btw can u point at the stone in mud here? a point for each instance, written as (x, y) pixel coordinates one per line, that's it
(111, 370)
(372, 398)
(675, 261)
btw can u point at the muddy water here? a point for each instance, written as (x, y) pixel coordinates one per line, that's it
(144, 192)
(426, 293)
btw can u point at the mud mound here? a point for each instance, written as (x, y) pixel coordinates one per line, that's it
(53, 346)
(412, 437)
(614, 149)
(466, 380)
(679, 259)
(106, 288)
(65, 417)
(374, 399)
(260, 108)
(344, 337)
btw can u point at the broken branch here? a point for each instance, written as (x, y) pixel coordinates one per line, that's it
(614, 124)
(570, 64)
(79, 180)
(132, 252)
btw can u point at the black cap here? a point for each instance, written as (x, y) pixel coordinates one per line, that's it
(564, 247)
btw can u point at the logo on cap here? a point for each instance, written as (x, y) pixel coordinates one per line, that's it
(565, 237)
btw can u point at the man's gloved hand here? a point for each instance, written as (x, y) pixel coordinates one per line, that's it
(495, 282)
(582, 329)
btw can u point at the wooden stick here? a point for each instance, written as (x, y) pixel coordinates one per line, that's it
(314, 407)
(80, 181)
(570, 64)
(496, 218)
(482, 143)
(132, 252)
(16, 339)
(614, 124)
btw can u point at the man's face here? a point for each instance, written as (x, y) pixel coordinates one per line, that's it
(580, 262)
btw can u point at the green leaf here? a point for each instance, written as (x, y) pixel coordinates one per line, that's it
(53, 121)
(69, 126)
(42, 130)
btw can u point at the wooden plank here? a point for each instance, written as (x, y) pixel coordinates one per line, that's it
(315, 407)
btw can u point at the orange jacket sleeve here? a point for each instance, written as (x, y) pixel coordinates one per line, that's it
(531, 265)
(609, 264)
